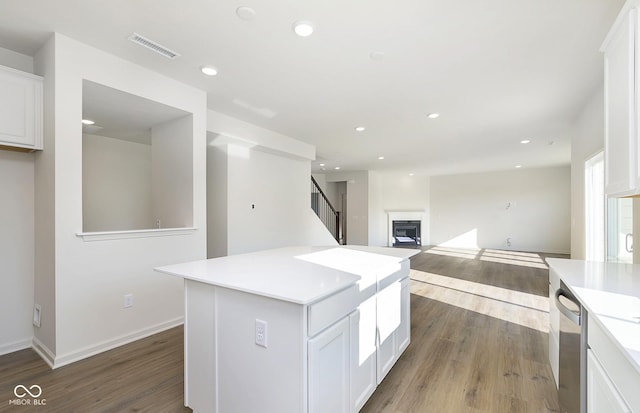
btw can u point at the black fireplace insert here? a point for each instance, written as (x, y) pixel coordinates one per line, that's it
(406, 234)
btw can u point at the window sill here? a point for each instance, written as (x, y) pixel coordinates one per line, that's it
(136, 233)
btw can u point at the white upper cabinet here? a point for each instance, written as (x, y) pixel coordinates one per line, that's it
(20, 110)
(621, 107)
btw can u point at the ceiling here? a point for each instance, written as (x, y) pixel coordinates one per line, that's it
(497, 71)
(120, 115)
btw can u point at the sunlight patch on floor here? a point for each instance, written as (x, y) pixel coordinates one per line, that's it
(525, 259)
(528, 310)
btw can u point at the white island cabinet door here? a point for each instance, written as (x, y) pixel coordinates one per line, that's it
(389, 315)
(20, 109)
(404, 331)
(602, 395)
(329, 370)
(363, 353)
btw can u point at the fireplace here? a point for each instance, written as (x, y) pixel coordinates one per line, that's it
(406, 233)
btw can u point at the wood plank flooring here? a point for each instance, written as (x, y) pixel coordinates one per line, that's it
(144, 376)
(479, 344)
(479, 337)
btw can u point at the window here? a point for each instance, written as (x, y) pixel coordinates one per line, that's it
(594, 208)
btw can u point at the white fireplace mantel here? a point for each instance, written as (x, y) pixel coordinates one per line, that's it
(406, 215)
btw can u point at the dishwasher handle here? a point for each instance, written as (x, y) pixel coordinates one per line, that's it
(575, 318)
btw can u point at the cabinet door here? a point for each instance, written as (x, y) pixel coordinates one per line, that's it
(329, 370)
(388, 314)
(20, 109)
(403, 334)
(620, 118)
(602, 396)
(363, 353)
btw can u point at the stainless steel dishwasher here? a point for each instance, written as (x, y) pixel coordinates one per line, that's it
(572, 386)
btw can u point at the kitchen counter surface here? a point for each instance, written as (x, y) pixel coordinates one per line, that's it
(611, 294)
(301, 275)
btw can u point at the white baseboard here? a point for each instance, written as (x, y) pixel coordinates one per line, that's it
(56, 361)
(15, 346)
(43, 351)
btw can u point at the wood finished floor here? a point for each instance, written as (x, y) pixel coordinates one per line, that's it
(478, 344)
(479, 337)
(144, 376)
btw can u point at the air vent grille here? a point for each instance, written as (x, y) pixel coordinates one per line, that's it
(151, 45)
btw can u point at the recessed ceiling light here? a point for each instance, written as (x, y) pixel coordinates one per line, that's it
(360, 129)
(321, 164)
(209, 70)
(518, 166)
(377, 55)
(336, 168)
(411, 174)
(87, 122)
(246, 13)
(380, 158)
(525, 141)
(303, 28)
(433, 115)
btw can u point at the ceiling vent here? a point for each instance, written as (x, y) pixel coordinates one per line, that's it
(151, 45)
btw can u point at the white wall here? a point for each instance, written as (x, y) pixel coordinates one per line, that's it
(279, 189)
(116, 184)
(392, 191)
(172, 172)
(471, 210)
(357, 215)
(16, 250)
(17, 235)
(82, 283)
(258, 190)
(217, 199)
(587, 140)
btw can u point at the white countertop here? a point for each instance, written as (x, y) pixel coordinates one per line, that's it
(611, 294)
(301, 275)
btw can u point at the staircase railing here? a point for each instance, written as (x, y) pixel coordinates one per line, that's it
(324, 210)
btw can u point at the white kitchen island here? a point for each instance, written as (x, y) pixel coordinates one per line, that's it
(300, 329)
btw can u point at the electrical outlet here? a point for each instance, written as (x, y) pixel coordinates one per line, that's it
(37, 314)
(261, 333)
(128, 300)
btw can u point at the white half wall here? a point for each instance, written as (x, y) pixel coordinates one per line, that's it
(530, 207)
(587, 140)
(90, 278)
(16, 250)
